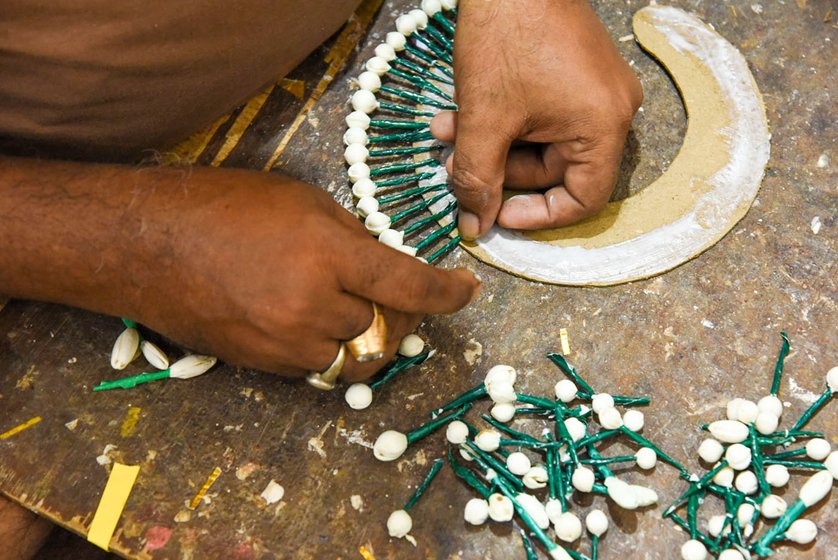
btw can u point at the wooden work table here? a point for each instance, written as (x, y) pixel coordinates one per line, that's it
(690, 339)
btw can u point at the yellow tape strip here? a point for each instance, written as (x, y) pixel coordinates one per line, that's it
(210, 481)
(565, 342)
(112, 503)
(366, 553)
(20, 428)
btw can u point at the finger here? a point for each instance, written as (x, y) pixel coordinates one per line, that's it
(399, 325)
(444, 126)
(480, 152)
(537, 166)
(350, 316)
(386, 276)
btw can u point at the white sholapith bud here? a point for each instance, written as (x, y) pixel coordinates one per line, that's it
(501, 392)
(646, 458)
(831, 464)
(772, 506)
(405, 25)
(392, 238)
(731, 554)
(710, 450)
(358, 119)
(771, 404)
(832, 379)
(431, 7)
(191, 366)
(476, 511)
(378, 65)
(369, 81)
(732, 409)
(355, 135)
(596, 522)
(411, 346)
(554, 510)
(500, 374)
(364, 101)
(377, 222)
(601, 401)
(634, 420)
(766, 423)
(154, 355)
(746, 482)
(389, 446)
(802, 531)
(125, 348)
(818, 449)
(419, 17)
(500, 508)
(386, 51)
(777, 475)
(816, 488)
(610, 418)
(518, 463)
(356, 153)
(358, 396)
(407, 250)
(487, 440)
(396, 40)
(399, 524)
(503, 412)
(536, 478)
(738, 457)
(357, 172)
(583, 479)
(745, 513)
(456, 432)
(693, 550)
(715, 525)
(535, 508)
(575, 428)
(747, 411)
(622, 493)
(568, 527)
(566, 390)
(645, 496)
(729, 431)
(448, 4)
(366, 206)
(724, 477)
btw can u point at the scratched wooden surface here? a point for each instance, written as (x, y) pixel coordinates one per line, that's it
(689, 339)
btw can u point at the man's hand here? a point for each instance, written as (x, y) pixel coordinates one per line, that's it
(545, 73)
(258, 269)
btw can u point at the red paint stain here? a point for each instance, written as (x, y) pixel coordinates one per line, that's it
(156, 538)
(245, 552)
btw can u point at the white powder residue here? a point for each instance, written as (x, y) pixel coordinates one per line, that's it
(800, 393)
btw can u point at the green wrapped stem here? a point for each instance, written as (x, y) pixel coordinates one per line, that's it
(129, 324)
(778, 367)
(695, 487)
(486, 461)
(444, 250)
(399, 124)
(419, 224)
(420, 490)
(412, 178)
(402, 167)
(467, 476)
(412, 192)
(395, 108)
(417, 98)
(439, 52)
(433, 236)
(429, 427)
(812, 410)
(417, 207)
(397, 367)
(599, 436)
(388, 152)
(757, 462)
(658, 451)
(796, 464)
(133, 381)
(570, 371)
(421, 83)
(706, 541)
(608, 460)
(413, 68)
(509, 431)
(446, 25)
(631, 401)
(528, 546)
(469, 396)
(763, 546)
(537, 401)
(402, 137)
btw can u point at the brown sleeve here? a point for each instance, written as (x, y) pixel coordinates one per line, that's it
(110, 79)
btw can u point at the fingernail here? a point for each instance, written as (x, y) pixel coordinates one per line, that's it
(469, 226)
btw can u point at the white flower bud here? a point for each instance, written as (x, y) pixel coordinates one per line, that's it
(377, 222)
(771, 404)
(802, 531)
(449, 4)
(745, 513)
(710, 450)
(358, 396)
(407, 250)
(715, 525)
(411, 346)
(645, 496)
(405, 25)
(596, 522)
(832, 379)
(358, 119)
(386, 51)
(724, 477)
(575, 428)
(733, 409)
(583, 479)
(431, 7)
(391, 237)
(746, 482)
(457, 432)
(731, 554)
(816, 488)
(518, 463)
(818, 449)
(501, 392)
(357, 172)
(378, 65)
(389, 446)
(125, 348)
(610, 418)
(554, 510)
(693, 550)
(634, 420)
(777, 475)
(503, 412)
(646, 458)
(356, 153)
(419, 17)
(476, 511)
(738, 457)
(747, 411)
(487, 440)
(568, 527)
(399, 523)
(154, 355)
(622, 493)
(366, 206)
(535, 508)
(566, 390)
(729, 431)
(500, 508)
(369, 81)
(396, 40)
(500, 373)
(601, 401)
(364, 101)
(191, 366)
(355, 135)
(772, 506)
(766, 422)
(831, 464)
(536, 478)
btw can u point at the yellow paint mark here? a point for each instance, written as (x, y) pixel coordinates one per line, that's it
(188, 151)
(210, 481)
(28, 378)
(246, 116)
(366, 553)
(336, 57)
(20, 428)
(113, 500)
(129, 425)
(565, 341)
(297, 88)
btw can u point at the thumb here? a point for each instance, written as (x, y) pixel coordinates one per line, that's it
(480, 151)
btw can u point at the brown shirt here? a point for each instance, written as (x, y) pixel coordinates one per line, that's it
(108, 79)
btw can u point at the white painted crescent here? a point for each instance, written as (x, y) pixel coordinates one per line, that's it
(708, 188)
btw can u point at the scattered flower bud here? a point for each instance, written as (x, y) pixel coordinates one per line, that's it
(693, 550)
(385, 51)
(566, 390)
(601, 401)
(772, 506)
(500, 508)
(724, 477)
(389, 446)
(487, 440)
(391, 237)
(405, 25)
(802, 531)
(738, 457)
(420, 17)
(457, 433)
(500, 374)
(831, 464)
(501, 392)
(777, 475)
(358, 171)
(554, 510)
(731, 554)
(622, 494)
(399, 524)
(646, 458)
(125, 348)
(431, 7)
(733, 409)
(596, 522)
(518, 463)
(715, 525)
(729, 431)
(568, 527)
(503, 412)
(364, 101)
(191, 366)
(377, 222)
(832, 379)
(357, 153)
(154, 355)
(583, 479)
(771, 405)
(476, 511)
(746, 482)
(536, 478)
(818, 449)
(396, 40)
(710, 450)
(380, 66)
(358, 396)
(745, 513)
(366, 206)
(575, 428)
(358, 119)
(747, 411)
(610, 418)
(634, 420)
(766, 422)
(816, 488)
(411, 346)
(645, 496)
(535, 508)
